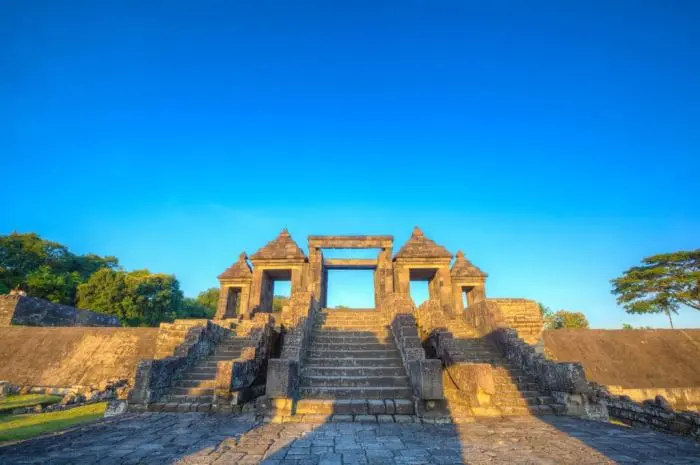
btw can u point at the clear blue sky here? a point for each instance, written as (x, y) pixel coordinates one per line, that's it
(556, 143)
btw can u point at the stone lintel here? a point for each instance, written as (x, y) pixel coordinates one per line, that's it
(284, 264)
(468, 282)
(351, 242)
(423, 262)
(350, 264)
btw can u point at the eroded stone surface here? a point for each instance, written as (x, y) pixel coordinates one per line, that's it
(193, 438)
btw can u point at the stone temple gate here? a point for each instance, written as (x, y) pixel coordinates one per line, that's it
(458, 353)
(247, 290)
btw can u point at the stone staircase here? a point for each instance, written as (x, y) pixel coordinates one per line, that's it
(197, 383)
(516, 392)
(353, 366)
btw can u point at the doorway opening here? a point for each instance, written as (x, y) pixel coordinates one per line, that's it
(276, 289)
(422, 285)
(350, 289)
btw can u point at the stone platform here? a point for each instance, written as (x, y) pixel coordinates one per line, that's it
(195, 438)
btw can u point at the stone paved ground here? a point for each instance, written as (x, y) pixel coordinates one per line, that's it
(154, 438)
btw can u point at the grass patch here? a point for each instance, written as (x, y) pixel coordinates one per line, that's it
(17, 427)
(28, 400)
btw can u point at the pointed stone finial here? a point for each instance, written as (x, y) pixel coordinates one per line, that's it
(460, 254)
(417, 232)
(284, 233)
(243, 257)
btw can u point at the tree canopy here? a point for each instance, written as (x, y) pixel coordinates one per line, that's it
(45, 268)
(48, 270)
(661, 284)
(137, 298)
(562, 318)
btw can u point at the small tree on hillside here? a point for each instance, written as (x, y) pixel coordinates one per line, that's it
(662, 284)
(562, 318)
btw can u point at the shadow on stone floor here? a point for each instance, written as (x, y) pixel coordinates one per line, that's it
(193, 438)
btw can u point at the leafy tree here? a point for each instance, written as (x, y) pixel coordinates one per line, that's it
(193, 308)
(137, 298)
(209, 298)
(53, 286)
(661, 284)
(629, 326)
(562, 319)
(44, 268)
(278, 302)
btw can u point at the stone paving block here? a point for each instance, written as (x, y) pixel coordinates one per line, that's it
(365, 418)
(385, 418)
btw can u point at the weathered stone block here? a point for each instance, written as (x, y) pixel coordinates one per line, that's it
(282, 378)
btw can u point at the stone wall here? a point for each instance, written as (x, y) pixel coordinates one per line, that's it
(640, 364)
(31, 311)
(523, 316)
(65, 357)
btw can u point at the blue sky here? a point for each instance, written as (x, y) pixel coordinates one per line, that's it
(556, 143)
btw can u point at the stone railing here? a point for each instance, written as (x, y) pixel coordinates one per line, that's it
(297, 324)
(233, 377)
(425, 374)
(656, 414)
(155, 377)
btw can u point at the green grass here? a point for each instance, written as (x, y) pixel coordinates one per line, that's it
(28, 400)
(17, 427)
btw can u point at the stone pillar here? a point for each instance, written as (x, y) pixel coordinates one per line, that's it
(256, 290)
(222, 304)
(457, 298)
(315, 273)
(324, 287)
(445, 288)
(402, 279)
(383, 277)
(297, 281)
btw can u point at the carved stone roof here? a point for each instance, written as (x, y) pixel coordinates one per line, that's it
(463, 268)
(419, 246)
(240, 269)
(283, 247)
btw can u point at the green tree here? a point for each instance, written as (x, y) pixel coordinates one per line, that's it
(562, 319)
(45, 268)
(661, 284)
(209, 298)
(137, 298)
(193, 308)
(53, 286)
(278, 302)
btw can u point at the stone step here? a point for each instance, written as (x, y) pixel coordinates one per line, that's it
(235, 353)
(353, 371)
(181, 398)
(192, 391)
(199, 375)
(377, 334)
(355, 392)
(353, 362)
(355, 381)
(343, 354)
(212, 358)
(342, 339)
(343, 346)
(355, 406)
(196, 383)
